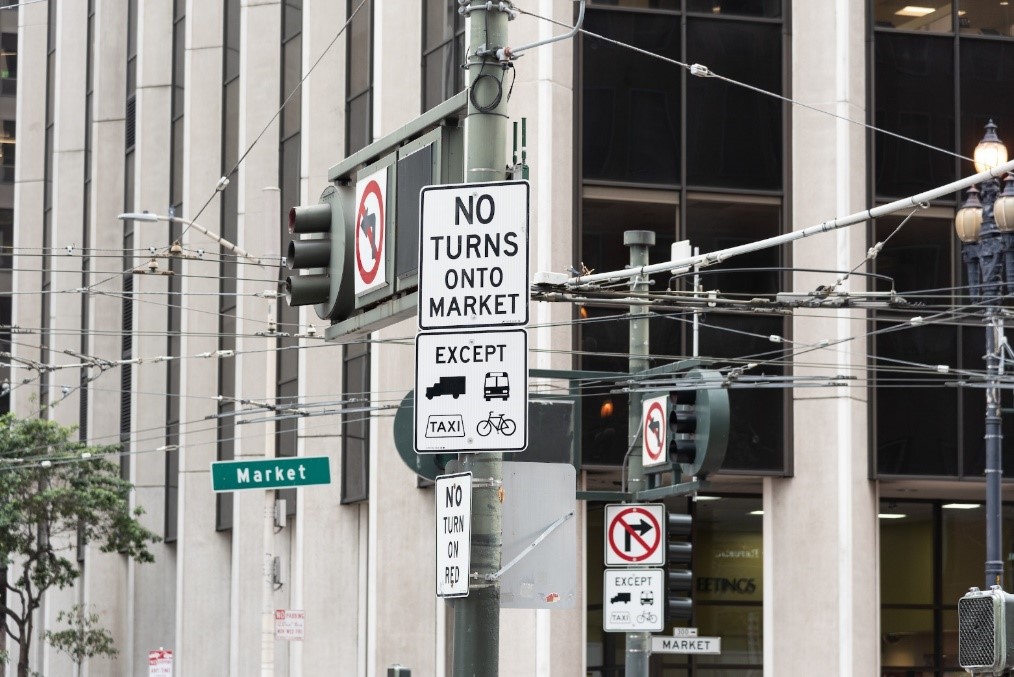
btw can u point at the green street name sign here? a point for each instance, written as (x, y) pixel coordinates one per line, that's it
(271, 473)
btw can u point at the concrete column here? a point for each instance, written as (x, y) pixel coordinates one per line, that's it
(820, 526)
(326, 535)
(105, 575)
(203, 554)
(547, 643)
(252, 637)
(401, 526)
(61, 328)
(29, 191)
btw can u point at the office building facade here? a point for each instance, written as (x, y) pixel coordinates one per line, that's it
(828, 543)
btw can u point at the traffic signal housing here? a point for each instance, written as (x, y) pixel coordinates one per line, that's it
(698, 421)
(322, 262)
(679, 575)
(986, 631)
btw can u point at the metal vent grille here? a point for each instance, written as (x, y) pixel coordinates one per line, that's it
(976, 632)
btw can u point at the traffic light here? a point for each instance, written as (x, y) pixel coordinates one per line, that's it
(325, 257)
(698, 418)
(986, 631)
(678, 576)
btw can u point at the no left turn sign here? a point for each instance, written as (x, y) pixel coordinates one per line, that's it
(653, 433)
(371, 208)
(634, 534)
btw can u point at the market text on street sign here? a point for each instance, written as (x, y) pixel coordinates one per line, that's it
(454, 534)
(634, 534)
(695, 645)
(473, 255)
(272, 473)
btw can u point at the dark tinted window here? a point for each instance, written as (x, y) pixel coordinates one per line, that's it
(987, 92)
(756, 438)
(766, 8)
(630, 101)
(734, 134)
(918, 261)
(915, 98)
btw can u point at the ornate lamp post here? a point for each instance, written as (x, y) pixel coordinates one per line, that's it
(987, 249)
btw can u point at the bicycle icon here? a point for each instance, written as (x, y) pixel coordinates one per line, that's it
(497, 422)
(647, 617)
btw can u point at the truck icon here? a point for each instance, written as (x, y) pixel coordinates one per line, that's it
(447, 385)
(620, 597)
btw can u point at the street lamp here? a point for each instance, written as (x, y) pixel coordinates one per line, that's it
(148, 216)
(987, 248)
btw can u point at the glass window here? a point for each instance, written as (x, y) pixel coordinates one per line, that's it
(925, 15)
(986, 17)
(734, 135)
(605, 342)
(7, 150)
(9, 56)
(757, 436)
(359, 79)
(906, 553)
(916, 263)
(355, 473)
(630, 101)
(765, 8)
(914, 97)
(673, 5)
(6, 238)
(443, 52)
(986, 93)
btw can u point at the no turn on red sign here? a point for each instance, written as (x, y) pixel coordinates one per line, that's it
(635, 534)
(370, 234)
(653, 431)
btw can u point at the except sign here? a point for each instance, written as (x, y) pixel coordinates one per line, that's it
(270, 473)
(712, 645)
(371, 212)
(473, 255)
(634, 534)
(454, 533)
(471, 391)
(632, 600)
(653, 431)
(290, 625)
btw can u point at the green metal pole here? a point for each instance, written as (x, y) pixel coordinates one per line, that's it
(476, 648)
(638, 643)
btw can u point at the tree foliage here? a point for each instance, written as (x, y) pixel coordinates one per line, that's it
(83, 637)
(55, 490)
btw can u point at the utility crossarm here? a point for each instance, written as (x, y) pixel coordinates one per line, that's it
(686, 263)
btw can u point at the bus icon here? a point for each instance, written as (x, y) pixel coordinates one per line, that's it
(496, 386)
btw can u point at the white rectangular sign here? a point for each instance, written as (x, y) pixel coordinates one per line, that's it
(473, 255)
(454, 533)
(370, 232)
(471, 391)
(654, 425)
(709, 645)
(160, 663)
(290, 624)
(635, 534)
(633, 600)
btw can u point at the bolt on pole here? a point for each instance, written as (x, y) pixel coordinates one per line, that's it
(476, 644)
(638, 643)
